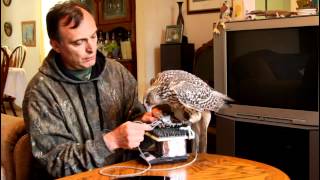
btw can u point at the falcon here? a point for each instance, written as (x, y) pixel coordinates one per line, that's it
(190, 98)
(182, 90)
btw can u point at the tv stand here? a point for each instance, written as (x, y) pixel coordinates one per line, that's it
(292, 148)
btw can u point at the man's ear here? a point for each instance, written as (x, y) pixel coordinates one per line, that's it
(55, 45)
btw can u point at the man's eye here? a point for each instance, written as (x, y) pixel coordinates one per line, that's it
(77, 43)
(94, 36)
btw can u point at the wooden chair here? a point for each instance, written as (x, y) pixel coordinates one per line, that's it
(16, 59)
(18, 56)
(16, 156)
(203, 62)
(5, 61)
(7, 49)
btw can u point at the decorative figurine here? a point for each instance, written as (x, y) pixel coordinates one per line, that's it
(224, 16)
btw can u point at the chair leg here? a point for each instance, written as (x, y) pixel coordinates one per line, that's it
(3, 109)
(12, 108)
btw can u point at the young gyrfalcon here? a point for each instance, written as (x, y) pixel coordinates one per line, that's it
(185, 93)
(182, 90)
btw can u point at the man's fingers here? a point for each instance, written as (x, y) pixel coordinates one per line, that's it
(141, 126)
(146, 127)
(148, 117)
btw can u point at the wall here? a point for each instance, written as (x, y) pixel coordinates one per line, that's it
(18, 11)
(274, 4)
(287, 5)
(152, 17)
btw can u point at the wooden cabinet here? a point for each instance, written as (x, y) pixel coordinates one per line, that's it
(276, 143)
(116, 18)
(177, 56)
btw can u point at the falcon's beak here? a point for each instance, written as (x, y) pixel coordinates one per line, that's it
(148, 108)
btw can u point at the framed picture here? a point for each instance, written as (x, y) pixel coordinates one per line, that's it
(6, 2)
(174, 34)
(114, 11)
(203, 6)
(7, 28)
(28, 33)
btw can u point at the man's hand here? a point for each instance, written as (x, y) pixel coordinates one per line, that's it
(127, 136)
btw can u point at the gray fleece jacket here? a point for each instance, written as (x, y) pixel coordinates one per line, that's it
(66, 117)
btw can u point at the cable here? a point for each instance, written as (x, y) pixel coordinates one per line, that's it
(143, 170)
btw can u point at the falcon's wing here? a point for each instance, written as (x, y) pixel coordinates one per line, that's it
(200, 96)
(192, 95)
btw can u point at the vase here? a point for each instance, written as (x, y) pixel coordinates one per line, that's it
(180, 20)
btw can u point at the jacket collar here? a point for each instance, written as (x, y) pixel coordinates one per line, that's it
(53, 67)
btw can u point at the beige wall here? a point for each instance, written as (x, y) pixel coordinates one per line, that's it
(152, 17)
(18, 11)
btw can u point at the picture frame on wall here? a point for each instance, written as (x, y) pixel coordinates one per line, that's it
(173, 34)
(111, 11)
(7, 28)
(203, 6)
(28, 33)
(6, 2)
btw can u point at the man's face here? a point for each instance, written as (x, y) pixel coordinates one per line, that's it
(78, 46)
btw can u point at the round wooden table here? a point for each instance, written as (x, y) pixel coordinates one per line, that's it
(206, 166)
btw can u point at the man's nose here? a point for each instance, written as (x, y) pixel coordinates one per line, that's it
(90, 46)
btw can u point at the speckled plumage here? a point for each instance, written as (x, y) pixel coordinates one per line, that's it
(179, 88)
(186, 93)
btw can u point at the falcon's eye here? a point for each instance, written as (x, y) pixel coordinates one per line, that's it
(148, 99)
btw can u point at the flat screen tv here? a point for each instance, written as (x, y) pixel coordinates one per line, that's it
(270, 68)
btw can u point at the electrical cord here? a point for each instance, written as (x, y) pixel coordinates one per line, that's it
(143, 170)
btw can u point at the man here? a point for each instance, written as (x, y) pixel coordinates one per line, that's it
(79, 107)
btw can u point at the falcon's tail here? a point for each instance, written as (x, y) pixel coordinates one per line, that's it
(227, 102)
(222, 101)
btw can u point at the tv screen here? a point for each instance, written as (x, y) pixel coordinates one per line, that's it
(274, 67)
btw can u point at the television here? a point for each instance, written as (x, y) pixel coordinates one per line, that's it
(270, 67)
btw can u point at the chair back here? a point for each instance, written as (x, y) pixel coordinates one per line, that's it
(18, 56)
(16, 154)
(5, 62)
(6, 48)
(203, 63)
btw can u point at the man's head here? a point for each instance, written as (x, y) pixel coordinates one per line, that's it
(72, 32)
